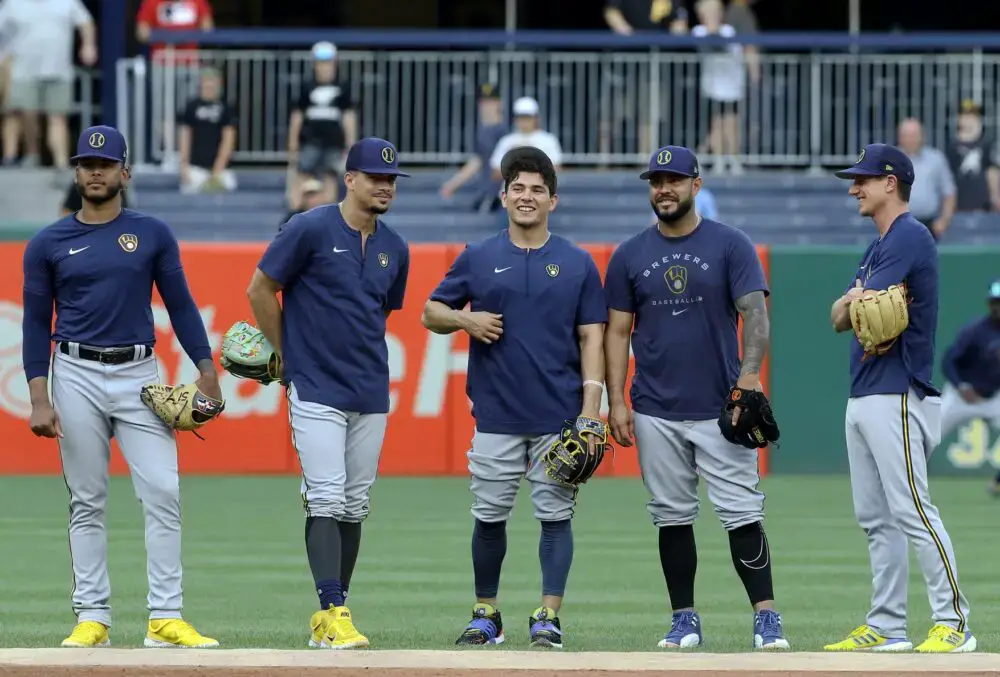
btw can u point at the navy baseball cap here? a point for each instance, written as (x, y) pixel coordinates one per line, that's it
(103, 142)
(880, 159)
(673, 160)
(373, 155)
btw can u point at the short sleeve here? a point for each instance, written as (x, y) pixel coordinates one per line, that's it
(947, 178)
(288, 252)
(228, 116)
(592, 308)
(168, 259)
(554, 150)
(344, 101)
(147, 12)
(453, 290)
(397, 291)
(618, 291)
(37, 268)
(746, 273)
(503, 145)
(81, 14)
(188, 117)
(302, 100)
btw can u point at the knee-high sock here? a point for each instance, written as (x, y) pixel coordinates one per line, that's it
(489, 547)
(350, 544)
(679, 561)
(323, 548)
(555, 553)
(752, 559)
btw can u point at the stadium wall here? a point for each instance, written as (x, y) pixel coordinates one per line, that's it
(430, 425)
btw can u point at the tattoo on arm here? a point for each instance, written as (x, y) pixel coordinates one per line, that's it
(756, 331)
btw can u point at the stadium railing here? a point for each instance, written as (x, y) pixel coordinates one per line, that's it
(609, 99)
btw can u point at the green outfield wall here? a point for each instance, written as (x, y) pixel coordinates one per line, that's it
(810, 370)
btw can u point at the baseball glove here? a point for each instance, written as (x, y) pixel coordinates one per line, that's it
(182, 407)
(879, 318)
(756, 426)
(569, 461)
(247, 354)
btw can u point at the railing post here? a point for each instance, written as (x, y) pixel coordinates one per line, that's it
(815, 114)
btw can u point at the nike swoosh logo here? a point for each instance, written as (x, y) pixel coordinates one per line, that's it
(338, 251)
(764, 554)
(77, 251)
(500, 270)
(678, 312)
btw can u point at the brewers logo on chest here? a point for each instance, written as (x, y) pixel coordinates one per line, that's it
(383, 259)
(552, 269)
(676, 278)
(128, 242)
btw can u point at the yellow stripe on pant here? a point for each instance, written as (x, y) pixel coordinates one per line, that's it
(952, 579)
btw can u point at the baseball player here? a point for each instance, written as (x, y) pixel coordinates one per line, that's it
(536, 318)
(893, 419)
(98, 267)
(676, 291)
(971, 368)
(341, 270)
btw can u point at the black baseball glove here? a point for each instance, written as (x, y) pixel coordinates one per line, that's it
(756, 426)
(569, 460)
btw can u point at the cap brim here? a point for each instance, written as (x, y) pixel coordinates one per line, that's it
(853, 172)
(380, 172)
(97, 156)
(653, 172)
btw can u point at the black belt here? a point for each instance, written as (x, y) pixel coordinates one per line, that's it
(108, 355)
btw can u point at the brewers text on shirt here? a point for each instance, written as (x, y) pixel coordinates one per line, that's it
(336, 298)
(905, 254)
(529, 382)
(682, 292)
(101, 278)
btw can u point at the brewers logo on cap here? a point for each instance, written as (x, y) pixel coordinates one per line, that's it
(388, 155)
(664, 157)
(96, 140)
(860, 157)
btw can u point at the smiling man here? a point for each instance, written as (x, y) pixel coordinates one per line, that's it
(683, 284)
(341, 271)
(536, 360)
(893, 418)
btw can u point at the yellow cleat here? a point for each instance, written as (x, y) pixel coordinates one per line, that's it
(173, 633)
(340, 632)
(942, 639)
(88, 635)
(866, 638)
(319, 624)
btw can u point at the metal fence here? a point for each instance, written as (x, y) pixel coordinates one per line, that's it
(606, 107)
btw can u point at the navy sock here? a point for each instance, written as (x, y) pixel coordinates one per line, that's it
(489, 547)
(324, 553)
(555, 553)
(331, 592)
(350, 543)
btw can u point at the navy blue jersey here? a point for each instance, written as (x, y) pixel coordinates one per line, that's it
(905, 254)
(336, 299)
(100, 279)
(530, 381)
(974, 357)
(682, 292)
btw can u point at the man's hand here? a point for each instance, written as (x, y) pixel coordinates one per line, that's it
(447, 191)
(44, 422)
(622, 424)
(969, 394)
(746, 382)
(88, 55)
(939, 226)
(483, 326)
(208, 383)
(855, 292)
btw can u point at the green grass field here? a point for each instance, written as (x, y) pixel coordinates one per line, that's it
(247, 582)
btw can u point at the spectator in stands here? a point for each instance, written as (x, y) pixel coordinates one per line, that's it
(73, 202)
(310, 195)
(932, 201)
(323, 124)
(490, 130)
(627, 16)
(179, 66)
(723, 81)
(974, 162)
(527, 132)
(622, 102)
(207, 138)
(43, 72)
